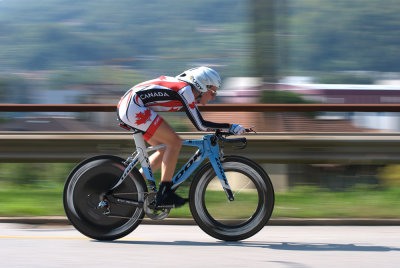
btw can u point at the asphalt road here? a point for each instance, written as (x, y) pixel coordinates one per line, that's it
(188, 246)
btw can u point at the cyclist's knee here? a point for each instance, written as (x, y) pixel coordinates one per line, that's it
(166, 135)
(179, 143)
(175, 143)
(161, 151)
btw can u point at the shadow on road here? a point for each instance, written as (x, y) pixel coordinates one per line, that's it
(269, 245)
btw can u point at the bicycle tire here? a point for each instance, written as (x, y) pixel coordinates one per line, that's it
(244, 222)
(83, 190)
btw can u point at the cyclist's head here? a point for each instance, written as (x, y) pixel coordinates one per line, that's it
(201, 78)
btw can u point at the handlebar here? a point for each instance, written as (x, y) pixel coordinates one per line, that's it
(221, 136)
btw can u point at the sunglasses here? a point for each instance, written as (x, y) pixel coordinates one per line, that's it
(213, 92)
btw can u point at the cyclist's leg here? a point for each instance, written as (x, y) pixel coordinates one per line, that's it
(132, 112)
(156, 158)
(168, 157)
(156, 131)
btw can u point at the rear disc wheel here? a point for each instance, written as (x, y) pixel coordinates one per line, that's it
(92, 214)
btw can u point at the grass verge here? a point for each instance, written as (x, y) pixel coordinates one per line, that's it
(301, 202)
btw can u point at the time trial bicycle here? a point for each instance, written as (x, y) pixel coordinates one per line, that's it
(231, 197)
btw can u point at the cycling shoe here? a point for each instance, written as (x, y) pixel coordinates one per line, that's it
(166, 198)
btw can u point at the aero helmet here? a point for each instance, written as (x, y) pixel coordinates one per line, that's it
(200, 78)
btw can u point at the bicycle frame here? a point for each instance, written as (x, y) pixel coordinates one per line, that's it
(207, 148)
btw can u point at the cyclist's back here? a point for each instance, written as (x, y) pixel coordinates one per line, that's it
(166, 94)
(163, 94)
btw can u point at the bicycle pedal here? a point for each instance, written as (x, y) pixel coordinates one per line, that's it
(164, 207)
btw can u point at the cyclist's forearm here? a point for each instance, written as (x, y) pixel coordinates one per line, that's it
(203, 125)
(214, 126)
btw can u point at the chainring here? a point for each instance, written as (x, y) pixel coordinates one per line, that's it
(151, 212)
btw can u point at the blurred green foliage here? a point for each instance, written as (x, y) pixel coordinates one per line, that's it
(343, 78)
(344, 35)
(34, 174)
(310, 35)
(13, 87)
(264, 31)
(31, 201)
(35, 189)
(111, 77)
(390, 176)
(361, 201)
(299, 202)
(157, 35)
(2, 88)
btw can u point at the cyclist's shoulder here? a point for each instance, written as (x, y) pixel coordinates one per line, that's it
(166, 82)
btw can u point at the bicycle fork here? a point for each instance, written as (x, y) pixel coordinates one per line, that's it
(215, 155)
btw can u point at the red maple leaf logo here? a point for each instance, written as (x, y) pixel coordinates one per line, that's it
(173, 109)
(142, 118)
(192, 105)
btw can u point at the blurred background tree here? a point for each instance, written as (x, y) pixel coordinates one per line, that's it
(264, 55)
(344, 78)
(160, 36)
(344, 35)
(54, 34)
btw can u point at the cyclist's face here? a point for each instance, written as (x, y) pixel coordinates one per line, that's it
(209, 95)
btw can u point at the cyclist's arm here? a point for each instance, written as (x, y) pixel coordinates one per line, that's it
(203, 125)
(192, 111)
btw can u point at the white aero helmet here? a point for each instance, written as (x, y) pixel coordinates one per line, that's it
(200, 78)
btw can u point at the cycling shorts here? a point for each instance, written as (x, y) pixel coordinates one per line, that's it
(133, 113)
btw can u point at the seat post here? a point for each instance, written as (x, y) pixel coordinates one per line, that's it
(144, 161)
(143, 155)
(141, 149)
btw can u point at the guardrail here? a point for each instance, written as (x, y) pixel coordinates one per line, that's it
(237, 107)
(346, 148)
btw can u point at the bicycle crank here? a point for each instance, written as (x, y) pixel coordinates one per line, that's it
(151, 212)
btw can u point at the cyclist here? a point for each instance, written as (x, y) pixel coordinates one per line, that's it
(138, 109)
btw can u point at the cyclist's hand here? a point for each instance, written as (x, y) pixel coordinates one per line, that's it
(237, 129)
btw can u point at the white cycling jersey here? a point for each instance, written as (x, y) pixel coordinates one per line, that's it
(138, 107)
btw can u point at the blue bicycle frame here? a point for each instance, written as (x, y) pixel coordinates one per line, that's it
(207, 148)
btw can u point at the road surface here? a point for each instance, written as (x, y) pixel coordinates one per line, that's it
(188, 246)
